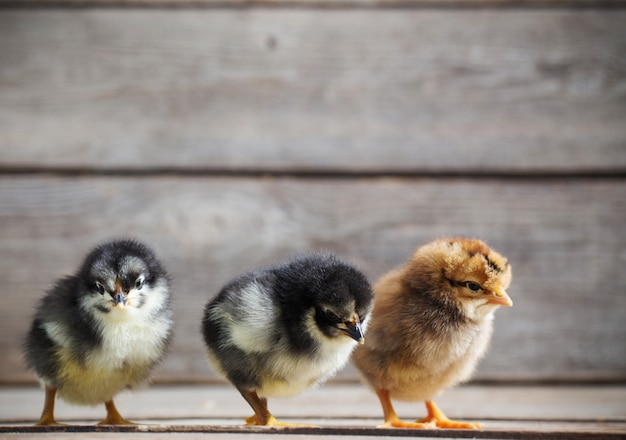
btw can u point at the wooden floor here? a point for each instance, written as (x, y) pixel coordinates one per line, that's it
(341, 410)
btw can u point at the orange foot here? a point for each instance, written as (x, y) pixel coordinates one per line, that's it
(437, 418)
(394, 422)
(49, 421)
(113, 416)
(47, 415)
(391, 418)
(271, 421)
(116, 421)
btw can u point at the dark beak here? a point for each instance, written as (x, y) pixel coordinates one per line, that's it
(119, 300)
(119, 297)
(353, 329)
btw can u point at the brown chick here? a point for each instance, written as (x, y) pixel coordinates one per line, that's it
(431, 323)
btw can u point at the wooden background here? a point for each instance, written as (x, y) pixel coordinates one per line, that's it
(232, 134)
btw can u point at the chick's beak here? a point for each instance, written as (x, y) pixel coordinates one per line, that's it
(119, 297)
(500, 298)
(354, 329)
(119, 300)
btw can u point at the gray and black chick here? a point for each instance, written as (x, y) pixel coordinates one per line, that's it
(101, 330)
(277, 331)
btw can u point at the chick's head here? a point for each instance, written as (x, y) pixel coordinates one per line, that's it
(338, 295)
(121, 276)
(462, 271)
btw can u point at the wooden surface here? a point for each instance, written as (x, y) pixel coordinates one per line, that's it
(233, 137)
(321, 3)
(361, 90)
(564, 240)
(339, 410)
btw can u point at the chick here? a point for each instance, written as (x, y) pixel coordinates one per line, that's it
(277, 331)
(431, 323)
(101, 330)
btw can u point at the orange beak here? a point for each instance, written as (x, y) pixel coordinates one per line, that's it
(500, 298)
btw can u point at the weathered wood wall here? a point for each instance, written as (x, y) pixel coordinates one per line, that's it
(231, 136)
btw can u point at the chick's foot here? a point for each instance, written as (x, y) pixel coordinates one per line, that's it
(48, 421)
(395, 422)
(271, 421)
(437, 418)
(113, 416)
(391, 418)
(47, 415)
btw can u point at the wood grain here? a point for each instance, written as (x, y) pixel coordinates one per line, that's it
(162, 124)
(349, 411)
(564, 238)
(351, 430)
(314, 89)
(347, 402)
(322, 3)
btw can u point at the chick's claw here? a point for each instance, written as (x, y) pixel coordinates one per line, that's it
(397, 423)
(271, 421)
(449, 424)
(113, 416)
(120, 421)
(437, 418)
(49, 421)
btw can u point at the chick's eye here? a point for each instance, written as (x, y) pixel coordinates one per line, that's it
(332, 316)
(99, 288)
(139, 283)
(474, 287)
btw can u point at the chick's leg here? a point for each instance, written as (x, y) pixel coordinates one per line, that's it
(113, 416)
(437, 417)
(262, 416)
(391, 418)
(47, 415)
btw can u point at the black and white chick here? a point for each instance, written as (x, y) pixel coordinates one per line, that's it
(101, 330)
(277, 331)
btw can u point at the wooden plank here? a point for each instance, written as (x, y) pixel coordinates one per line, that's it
(323, 3)
(519, 431)
(196, 404)
(564, 238)
(347, 410)
(415, 90)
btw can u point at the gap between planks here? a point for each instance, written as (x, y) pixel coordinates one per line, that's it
(518, 431)
(318, 4)
(313, 173)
